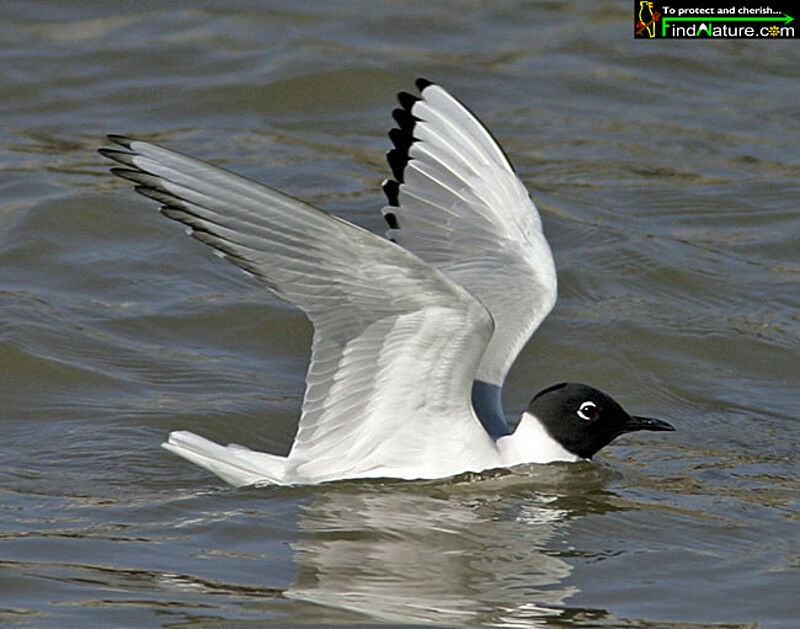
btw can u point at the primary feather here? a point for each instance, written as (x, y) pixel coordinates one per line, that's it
(457, 203)
(396, 343)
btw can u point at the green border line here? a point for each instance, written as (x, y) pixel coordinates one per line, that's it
(785, 19)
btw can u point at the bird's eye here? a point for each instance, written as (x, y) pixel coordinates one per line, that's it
(588, 411)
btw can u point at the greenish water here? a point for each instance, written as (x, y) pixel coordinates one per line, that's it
(667, 177)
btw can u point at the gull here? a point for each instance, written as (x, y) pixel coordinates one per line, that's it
(413, 333)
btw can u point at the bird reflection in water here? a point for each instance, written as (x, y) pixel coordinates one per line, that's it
(478, 548)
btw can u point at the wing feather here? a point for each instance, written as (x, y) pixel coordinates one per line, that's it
(458, 204)
(396, 343)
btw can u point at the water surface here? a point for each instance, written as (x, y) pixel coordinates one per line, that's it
(667, 178)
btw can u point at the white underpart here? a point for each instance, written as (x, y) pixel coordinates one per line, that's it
(530, 443)
(464, 210)
(239, 466)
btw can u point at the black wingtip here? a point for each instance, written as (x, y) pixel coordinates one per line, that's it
(121, 157)
(397, 162)
(398, 157)
(422, 83)
(125, 173)
(131, 174)
(397, 136)
(108, 153)
(392, 191)
(402, 140)
(404, 119)
(407, 100)
(391, 220)
(121, 140)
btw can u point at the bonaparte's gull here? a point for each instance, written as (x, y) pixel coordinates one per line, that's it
(414, 334)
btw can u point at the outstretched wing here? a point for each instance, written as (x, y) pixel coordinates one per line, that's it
(457, 203)
(396, 343)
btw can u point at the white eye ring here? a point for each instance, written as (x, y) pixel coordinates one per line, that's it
(587, 411)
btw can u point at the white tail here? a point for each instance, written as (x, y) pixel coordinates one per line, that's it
(233, 463)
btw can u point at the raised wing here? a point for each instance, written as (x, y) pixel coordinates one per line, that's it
(396, 343)
(457, 203)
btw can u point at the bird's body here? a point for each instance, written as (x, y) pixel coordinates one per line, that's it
(413, 336)
(476, 452)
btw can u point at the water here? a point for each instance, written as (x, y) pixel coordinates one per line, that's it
(667, 176)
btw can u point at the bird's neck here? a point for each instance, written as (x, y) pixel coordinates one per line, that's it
(530, 443)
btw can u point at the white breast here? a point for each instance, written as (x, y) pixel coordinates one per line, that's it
(530, 443)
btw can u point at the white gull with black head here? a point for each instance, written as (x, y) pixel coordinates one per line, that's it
(413, 335)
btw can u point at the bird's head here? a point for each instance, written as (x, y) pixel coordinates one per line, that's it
(584, 420)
